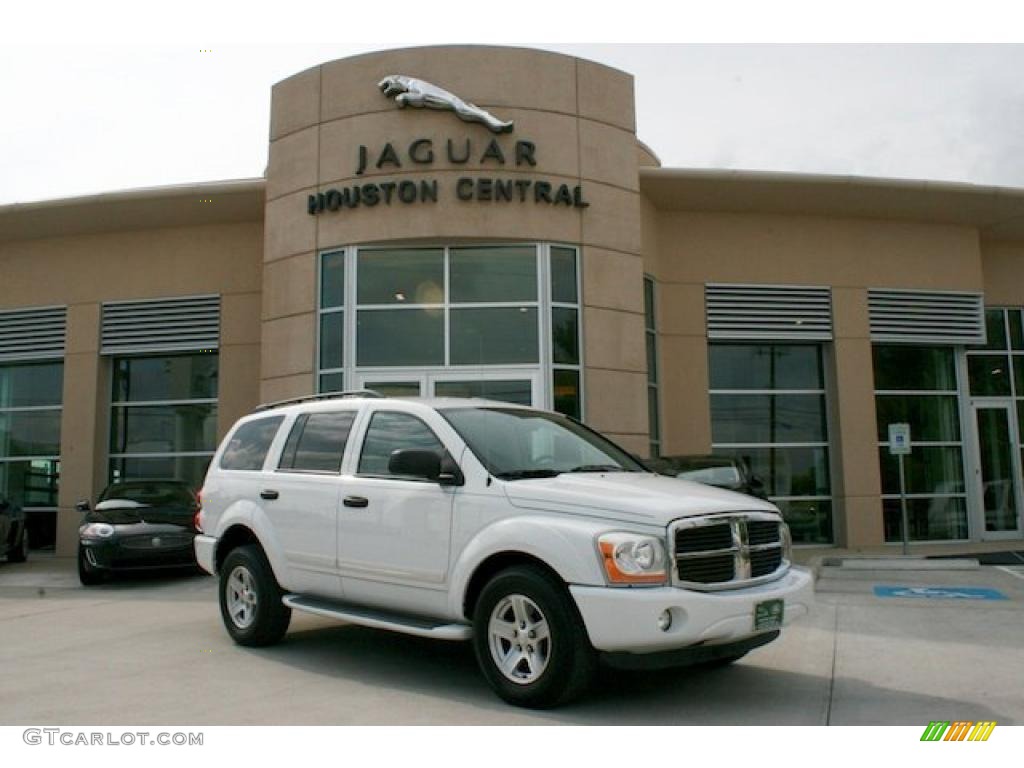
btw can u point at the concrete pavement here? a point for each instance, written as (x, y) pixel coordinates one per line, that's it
(152, 651)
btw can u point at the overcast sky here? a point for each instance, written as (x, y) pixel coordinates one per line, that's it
(98, 118)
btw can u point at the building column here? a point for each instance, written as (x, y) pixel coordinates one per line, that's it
(238, 385)
(856, 447)
(83, 433)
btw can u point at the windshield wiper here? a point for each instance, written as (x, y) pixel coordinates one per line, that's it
(523, 474)
(597, 468)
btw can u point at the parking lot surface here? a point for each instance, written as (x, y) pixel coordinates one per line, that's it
(153, 651)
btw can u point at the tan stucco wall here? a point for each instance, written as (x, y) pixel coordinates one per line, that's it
(1003, 263)
(84, 271)
(850, 255)
(580, 116)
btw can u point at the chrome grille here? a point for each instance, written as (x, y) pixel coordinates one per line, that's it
(727, 551)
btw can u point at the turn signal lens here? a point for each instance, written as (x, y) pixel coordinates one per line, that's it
(631, 558)
(197, 518)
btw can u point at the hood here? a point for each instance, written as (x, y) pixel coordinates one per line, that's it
(125, 512)
(629, 496)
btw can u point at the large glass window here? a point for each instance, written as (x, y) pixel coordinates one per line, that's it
(477, 310)
(768, 409)
(31, 395)
(163, 417)
(918, 386)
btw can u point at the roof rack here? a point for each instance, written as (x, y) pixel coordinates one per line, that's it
(314, 398)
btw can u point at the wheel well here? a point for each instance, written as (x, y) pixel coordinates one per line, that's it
(494, 565)
(235, 536)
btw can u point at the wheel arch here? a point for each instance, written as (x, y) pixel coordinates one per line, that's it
(493, 565)
(237, 535)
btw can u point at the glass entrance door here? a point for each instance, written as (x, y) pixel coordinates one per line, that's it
(997, 470)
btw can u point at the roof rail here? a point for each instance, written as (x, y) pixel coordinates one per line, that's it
(322, 396)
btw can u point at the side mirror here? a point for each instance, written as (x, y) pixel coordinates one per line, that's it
(83, 506)
(415, 463)
(450, 472)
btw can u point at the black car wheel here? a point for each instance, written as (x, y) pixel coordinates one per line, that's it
(18, 552)
(250, 598)
(530, 640)
(88, 575)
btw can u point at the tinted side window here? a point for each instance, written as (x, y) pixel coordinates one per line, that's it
(250, 443)
(317, 442)
(390, 432)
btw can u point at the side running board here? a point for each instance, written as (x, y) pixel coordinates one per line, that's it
(369, 617)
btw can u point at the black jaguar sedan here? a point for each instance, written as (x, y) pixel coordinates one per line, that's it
(137, 525)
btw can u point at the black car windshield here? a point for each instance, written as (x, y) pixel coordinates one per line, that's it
(516, 444)
(150, 493)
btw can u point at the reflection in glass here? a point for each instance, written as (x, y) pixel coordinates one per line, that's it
(786, 471)
(905, 367)
(167, 377)
(565, 336)
(989, 375)
(389, 432)
(502, 274)
(765, 366)
(403, 276)
(332, 382)
(768, 419)
(995, 329)
(331, 339)
(400, 337)
(1016, 330)
(809, 521)
(932, 418)
(332, 280)
(30, 483)
(250, 444)
(395, 388)
(507, 391)
(927, 470)
(190, 469)
(566, 389)
(30, 433)
(493, 336)
(563, 275)
(31, 384)
(936, 519)
(998, 474)
(320, 444)
(163, 428)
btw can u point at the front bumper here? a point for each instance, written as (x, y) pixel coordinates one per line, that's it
(113, 555)
(206, 549)
(626, 619)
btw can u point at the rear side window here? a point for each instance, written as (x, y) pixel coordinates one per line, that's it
(250, 443)
(317, 442)
(390, 432)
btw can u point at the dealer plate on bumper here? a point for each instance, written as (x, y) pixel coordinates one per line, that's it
(768, 614)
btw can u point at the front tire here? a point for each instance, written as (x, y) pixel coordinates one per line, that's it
(88, 575)
(250, 599)
(530, 640)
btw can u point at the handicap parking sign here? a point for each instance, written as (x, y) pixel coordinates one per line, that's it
(942, 593)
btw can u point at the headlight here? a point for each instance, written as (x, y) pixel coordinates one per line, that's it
(97, 531)
(632, 558)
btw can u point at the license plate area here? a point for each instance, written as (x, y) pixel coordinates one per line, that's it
(769, 614)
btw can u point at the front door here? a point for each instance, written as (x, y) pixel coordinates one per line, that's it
(997, 470)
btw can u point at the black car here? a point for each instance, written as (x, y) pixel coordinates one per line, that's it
(13, 534)
(720, 471)
(137, 525)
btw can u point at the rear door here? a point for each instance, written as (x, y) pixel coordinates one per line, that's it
(305, 488)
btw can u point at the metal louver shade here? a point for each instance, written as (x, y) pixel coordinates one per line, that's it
(768, 312)
(926, 317)
(161, 325)
(31, 334)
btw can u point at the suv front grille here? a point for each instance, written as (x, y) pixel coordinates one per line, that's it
(727, 551)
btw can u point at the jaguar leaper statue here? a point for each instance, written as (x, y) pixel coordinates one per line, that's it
(411, 92)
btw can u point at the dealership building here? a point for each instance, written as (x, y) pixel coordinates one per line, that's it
(478, 221)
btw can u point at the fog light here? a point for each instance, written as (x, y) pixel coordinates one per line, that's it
(665, 621)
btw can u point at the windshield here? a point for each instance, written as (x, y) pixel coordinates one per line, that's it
(155, 494)
(514, 443)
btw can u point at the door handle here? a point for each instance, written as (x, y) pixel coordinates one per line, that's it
(356, 501)
(268, 494)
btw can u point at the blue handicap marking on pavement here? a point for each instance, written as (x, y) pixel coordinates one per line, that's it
(947, 593)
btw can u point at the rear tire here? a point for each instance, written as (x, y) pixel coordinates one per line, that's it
(19, 552)
(88, 575)
(530, 640)
(250, 599)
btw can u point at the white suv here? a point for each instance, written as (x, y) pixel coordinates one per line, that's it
(522, 530)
